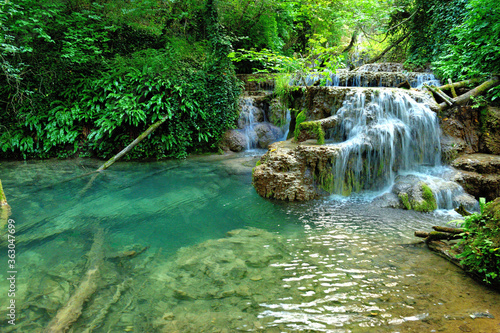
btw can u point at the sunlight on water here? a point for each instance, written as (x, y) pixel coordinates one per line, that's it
(190, 247)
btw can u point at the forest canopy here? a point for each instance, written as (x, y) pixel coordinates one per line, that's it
(83, 78)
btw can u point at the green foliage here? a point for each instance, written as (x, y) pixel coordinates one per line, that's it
(474, 47)
(299, 119)
(481, 243)
(90, 92)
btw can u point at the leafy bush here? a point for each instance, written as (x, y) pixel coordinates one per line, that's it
(481, 243)
(90, 92)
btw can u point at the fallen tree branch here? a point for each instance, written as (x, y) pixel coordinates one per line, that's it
(453, 92)
(463, 99)
(448, 229)
(134, 143)
(460, 84)
(70, 313)
(104, 311)
(125, 150)
(436, 235)
(441, 94)
(445, 251)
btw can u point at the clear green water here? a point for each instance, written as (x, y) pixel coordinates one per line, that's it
(212, 256)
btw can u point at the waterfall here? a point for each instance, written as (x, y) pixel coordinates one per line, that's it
(249, 116)
(379, 134)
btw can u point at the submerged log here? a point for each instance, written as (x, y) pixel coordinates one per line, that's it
(445, 251)
(436, 235)
(70, 313)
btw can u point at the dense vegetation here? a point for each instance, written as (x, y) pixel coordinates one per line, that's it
(481, 244)
(83, 77)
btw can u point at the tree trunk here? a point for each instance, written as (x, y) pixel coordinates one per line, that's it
(494, 81)
(463, 99)
(460, 84)
(390, 47)
(441, 94)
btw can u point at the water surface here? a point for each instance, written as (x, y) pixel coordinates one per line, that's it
(190, 247)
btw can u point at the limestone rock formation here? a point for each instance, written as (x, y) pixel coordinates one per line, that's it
(293, 171)
(480, 174)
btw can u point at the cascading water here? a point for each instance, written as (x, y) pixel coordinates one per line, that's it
(249, 116)
(379, 134)
(360, 78)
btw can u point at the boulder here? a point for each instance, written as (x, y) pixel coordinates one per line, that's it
(414, 194)
(266, 134)
(233, 140)
(293, 172)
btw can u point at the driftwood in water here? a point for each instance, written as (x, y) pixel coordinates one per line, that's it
(125, 150)
(70, 313)
(436, 235)
(445, 251)
(434, 242)
(448, 229)
(104, 311)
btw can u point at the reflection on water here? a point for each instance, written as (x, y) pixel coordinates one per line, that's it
(190, 247)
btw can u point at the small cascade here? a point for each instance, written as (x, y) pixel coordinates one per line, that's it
(379, 134)
(361, 78)
(250, 115)
(286, 127)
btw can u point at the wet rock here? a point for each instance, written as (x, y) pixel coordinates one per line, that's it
(233, 140)
(414, 194)
(266, 134)
(388, 200)
(479, 175)
(452, 148)
(461, 131)
(287, 171)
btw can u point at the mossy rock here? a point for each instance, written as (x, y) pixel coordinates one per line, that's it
(492, 212)
(429, 203)
(3, 199)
